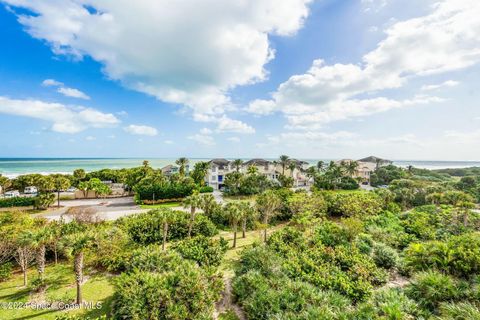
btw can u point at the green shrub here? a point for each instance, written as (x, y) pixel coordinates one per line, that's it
(431, 288)
(459, 255)
(283, 298)
(354, 204)
(205, 189)
(205, 251)
(181, 291)
(6, 271)
(385, 256)
(147, 228)
(17, 202)
(148, 189)
(386, 304)
(152, 259)
(459, 311)
(259, 258)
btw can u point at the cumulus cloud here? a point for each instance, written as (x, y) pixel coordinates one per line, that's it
(141, 130)
(442, 41)
(65, 119)
(73, 93)
(203, 137)
(51, 83)
(190, 52)
(66, 91)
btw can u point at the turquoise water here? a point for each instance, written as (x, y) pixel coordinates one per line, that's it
(13, 167)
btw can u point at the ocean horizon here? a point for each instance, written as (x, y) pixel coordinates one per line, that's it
(12, 167)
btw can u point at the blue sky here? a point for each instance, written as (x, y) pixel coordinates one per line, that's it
(312, 79)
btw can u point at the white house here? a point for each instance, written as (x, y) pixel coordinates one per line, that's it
(30, 190)
(272, 170)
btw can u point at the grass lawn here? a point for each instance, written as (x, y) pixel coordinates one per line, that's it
(161, 205)
(61, 287)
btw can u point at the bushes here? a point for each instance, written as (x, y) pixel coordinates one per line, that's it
(356, 204)
(5, 271)
(384, 256)
(17, 202)
(205, 251)
(459, 255)
(147, 228)
(386, 304)
(205, 189)
(148, 189)
(431, 288)
(180, 291)
(283, 298)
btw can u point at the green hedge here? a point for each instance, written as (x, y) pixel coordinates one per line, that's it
(17, 202)
(205, 189)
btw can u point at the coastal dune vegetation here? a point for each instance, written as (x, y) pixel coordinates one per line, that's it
(407, 249)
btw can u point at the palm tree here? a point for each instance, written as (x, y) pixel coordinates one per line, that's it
(320, 165)
(40, 239)
(252, 170)
(78, 243)
(237, 164)
(24, 253)
(284, 161)
(246, 212)
(233, 215)
(61, 183)
(200, 170)
(182, 163)
(268, 204)
(166, 216)
(352, 168)
(193, 202)
(208, 204)
(292, 166)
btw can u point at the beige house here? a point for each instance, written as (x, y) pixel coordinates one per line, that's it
(366, 167)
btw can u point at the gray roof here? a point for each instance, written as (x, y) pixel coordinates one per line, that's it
(220, 162)
(257, 162)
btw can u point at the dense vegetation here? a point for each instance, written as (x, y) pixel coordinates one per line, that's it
(408, 250)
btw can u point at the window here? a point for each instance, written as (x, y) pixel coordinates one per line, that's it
(213, 178)
(220, 178)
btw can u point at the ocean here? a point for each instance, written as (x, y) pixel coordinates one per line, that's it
(12, 167)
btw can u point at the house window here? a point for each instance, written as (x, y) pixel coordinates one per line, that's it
(213, 178)
(220, 178)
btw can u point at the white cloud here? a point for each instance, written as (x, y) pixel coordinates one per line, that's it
(73, 93)
(226, 124)
(443, 41)
(234, 139)
(449, 83)
(168, 142)
(190, 52)
(90, 138)
(122, 113)
(141, 130)
(51, 83)
(65, 119)
(204, 139)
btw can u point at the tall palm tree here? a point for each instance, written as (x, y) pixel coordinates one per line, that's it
(208, 204)
(268, 204)
(233, 215)
(200, 171)
(61, 183)
(292, 166)
(284, 161)
(167, 216)
(24, 253)
(237, 164)
(193, 202)
(182, 163)
(320, 165)
(78, 243)
(352, 168)
(40, 238)
(246, 212)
